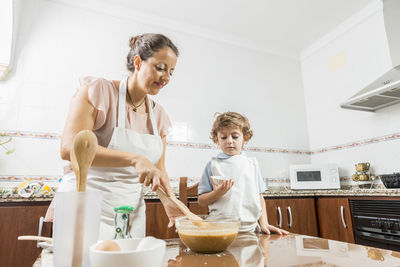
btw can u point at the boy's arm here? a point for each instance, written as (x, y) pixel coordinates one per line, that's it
(205, 185)
(208, 191)
(208, 198)
(264, 218)
(263, 221)
(219, 190)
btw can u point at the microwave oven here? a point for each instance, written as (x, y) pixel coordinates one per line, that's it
(314, 176)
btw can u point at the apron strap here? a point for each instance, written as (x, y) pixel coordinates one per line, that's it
(122, 103)
(151, 114)
(122, 107)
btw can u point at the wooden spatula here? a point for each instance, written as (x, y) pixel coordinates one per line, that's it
(182, 207)
(82, 154)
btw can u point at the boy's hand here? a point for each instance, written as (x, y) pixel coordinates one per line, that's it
(268, 229)
(222, 188)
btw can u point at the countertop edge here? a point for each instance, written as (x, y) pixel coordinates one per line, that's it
(149, 195)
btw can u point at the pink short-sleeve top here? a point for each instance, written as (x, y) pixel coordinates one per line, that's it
(103, 95)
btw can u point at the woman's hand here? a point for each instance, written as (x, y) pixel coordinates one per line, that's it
(268, 229)
(150, 174)
(222, 188)
(172, 211)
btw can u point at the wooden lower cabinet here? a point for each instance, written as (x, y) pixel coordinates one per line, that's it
(334, 219)
(157, 221)
(296, 215)
(21, 218)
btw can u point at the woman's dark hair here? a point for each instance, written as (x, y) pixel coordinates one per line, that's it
(145, 45)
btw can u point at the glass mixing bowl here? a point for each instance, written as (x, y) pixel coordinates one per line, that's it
(213, 235)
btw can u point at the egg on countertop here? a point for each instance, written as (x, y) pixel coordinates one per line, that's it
(108, 245)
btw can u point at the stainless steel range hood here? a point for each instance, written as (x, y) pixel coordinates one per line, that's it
(385, 90)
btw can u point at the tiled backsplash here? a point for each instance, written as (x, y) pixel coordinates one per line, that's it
(373, 140)
(11, 182)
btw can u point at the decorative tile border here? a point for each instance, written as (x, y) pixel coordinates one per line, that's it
(252, 149)
(192, 145)
(389, 137)
(385, 138)
(23, 178)
(39, 135)
(278, 150)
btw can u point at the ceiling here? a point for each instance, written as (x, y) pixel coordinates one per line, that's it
(283, 27)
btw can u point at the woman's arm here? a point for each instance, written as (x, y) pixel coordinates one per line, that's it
(82, 116)
(161, 166)
(170, 208)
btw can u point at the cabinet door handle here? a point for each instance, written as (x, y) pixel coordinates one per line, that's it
(41, 219)
(342, 215)
(280, 217)
(290, 217)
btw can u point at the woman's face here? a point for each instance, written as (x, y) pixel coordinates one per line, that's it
(156, 71)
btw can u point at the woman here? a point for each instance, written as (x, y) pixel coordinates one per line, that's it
(131, 131)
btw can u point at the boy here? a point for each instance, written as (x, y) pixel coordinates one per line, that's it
(241, 195)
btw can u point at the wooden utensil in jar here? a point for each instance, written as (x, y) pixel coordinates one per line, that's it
(82, 154)
(36, 238)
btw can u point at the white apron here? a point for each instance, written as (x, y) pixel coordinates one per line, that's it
(243, 199)
(120, 186)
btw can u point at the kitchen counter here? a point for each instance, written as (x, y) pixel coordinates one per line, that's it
(11, 197)
(18, 198)
(262, 250)
(148, 194)
(333, 192)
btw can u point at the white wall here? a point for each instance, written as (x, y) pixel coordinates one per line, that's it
(365, 50)
(58, 43)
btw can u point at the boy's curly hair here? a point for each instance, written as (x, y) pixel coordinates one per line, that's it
(231, 119)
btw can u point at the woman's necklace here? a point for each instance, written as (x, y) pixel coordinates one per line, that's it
(134, 106)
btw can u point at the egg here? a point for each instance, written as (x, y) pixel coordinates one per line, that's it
(108, 245)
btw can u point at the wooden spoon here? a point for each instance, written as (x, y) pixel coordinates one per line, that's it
(82, 154)
(196, 220)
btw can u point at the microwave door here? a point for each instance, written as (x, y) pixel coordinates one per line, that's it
(309, 176)
(307, 179)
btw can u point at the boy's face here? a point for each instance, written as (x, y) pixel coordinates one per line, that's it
(230, 140)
